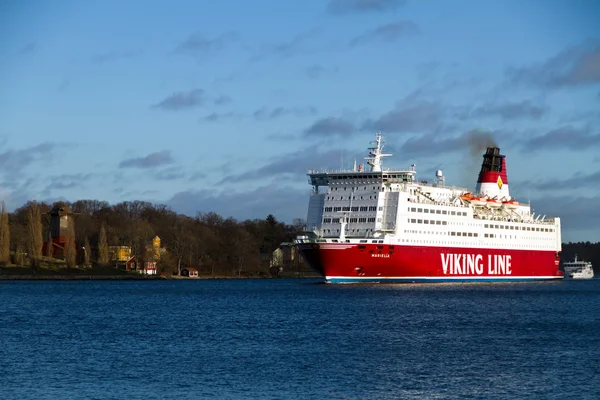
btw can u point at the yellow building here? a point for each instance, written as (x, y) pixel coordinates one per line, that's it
(119, 253)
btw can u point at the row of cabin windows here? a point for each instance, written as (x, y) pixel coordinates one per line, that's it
(522, 228)
(468, 234)
(444, 212)
(352, 198)
(406, 177)
(352, 220)
(362, 208)
(357, 188)
(427, 221)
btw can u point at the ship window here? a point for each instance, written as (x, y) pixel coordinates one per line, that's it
(438, 212)
(419, 221)
(444, 222)
(476, 234)
(485, 235)
(413, 209)
(425, 221)
(452, 212)
(438, 222)
(373, 241)
(381, 241)
(413, 221)
(419, 210)
(464, 233)
(444, 212)
(362, 241)
(425, 210)
(452, 234)
(470, 234)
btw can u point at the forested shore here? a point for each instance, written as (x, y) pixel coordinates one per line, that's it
(208, 242)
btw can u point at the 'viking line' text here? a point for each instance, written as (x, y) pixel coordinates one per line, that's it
(476, 264)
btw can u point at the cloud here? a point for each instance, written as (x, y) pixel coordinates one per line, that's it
(577, 181)
(341, 7)
(28, 48)
(576, 65)
(577, 213)
(266, 113)
(295, 163)
(318, 71)
(13, 162)
(330, 126)
(510, 111)
(169, 174)
(216, 117)
(222, 100)
(409, 116)
(432, 144)
(285, 203)
(65, 182)
(112, 56)
(182, 100)
(150, 161)
(387, 33)
(286, 49)
(198, 45)
(566, 137)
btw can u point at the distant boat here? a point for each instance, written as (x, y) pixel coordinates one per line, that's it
(579, 269)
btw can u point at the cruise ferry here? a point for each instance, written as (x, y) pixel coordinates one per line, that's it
(385, 225)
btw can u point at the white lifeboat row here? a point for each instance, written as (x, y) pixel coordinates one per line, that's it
(484, 201)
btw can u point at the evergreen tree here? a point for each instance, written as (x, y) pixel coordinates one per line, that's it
(102, 246)
(4, 235)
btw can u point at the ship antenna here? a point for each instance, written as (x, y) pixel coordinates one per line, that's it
(376, 154)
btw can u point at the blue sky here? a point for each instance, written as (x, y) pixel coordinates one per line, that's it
(223, 106)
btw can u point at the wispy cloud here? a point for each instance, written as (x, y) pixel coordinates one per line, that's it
(299, 44)
(199, 45)
(15, 161)
(433, 144)
(182, 100)
(509, 110)
(387, 33)
(330, 126)
(266, 113)
(576, 65)
(111, 56)
(218, 117)
(150, 161)
(408, 117)
(566, 137)
(295, 163)
(319, 71)
(577, 181)
(341, 7)
(28, 48)
(286, 203)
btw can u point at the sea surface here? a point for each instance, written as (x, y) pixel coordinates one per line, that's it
(298, 339)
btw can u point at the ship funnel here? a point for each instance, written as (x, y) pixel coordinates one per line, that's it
(493, 180)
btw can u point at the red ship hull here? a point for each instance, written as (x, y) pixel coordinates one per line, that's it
(350, 263)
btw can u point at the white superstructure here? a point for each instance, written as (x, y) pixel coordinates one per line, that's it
(393, 206)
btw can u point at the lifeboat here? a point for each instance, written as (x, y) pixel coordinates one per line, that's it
(478, 201)
(466, 196)
(494, 203)
(510, 204)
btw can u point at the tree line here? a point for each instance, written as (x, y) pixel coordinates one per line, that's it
(208, 241)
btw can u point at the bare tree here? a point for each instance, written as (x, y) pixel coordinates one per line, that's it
(102, 246)
(4, 235)
(70, 247)
(35, 239)
(86, 252)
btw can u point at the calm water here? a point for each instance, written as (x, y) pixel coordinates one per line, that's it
(281, 339)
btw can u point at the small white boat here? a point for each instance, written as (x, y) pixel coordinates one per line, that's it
(579, 269)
